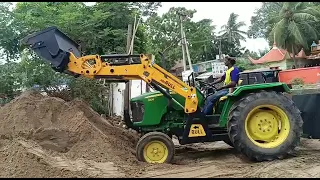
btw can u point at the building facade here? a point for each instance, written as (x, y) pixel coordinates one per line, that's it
(282, 59)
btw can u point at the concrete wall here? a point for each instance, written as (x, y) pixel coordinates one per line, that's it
(118, 98)
(287, 64)
(309, 75)
(138, 87)
(281, 64)
(306, 62)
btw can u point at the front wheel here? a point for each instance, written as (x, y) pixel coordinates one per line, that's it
(155, 147)
(265, 126)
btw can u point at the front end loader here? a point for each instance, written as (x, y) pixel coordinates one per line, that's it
(257, 120)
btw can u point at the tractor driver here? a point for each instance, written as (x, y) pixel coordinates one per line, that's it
(230, 78)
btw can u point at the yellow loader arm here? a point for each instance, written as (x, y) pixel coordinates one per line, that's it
(93, 67)
(63, 54)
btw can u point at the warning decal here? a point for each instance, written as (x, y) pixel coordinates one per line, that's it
(196, 130)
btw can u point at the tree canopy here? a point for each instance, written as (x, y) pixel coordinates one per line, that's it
(102, 29)
(231, 31)
(99, 29)
(292, 24)
(164, 35)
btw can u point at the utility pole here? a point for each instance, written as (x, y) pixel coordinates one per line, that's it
(220, 52)
(127, 88)
(182, 44)
(110, 107)
(205, 52)
(187, 51)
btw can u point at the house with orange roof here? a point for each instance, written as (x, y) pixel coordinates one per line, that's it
(281, 59)
(275, 58)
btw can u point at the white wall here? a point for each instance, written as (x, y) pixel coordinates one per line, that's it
(118, 98)
(282, 64)
(118, 94)
(136, 87)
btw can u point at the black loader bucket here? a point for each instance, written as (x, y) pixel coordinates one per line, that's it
(53, 46)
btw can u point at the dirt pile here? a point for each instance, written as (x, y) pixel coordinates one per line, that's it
(62, 132)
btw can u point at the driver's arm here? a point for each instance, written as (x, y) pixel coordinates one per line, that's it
(230, 85)
(219, 80)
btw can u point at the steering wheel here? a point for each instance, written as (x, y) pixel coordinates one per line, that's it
(208, 89)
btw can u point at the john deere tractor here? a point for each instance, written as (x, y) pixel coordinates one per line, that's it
(258, 120)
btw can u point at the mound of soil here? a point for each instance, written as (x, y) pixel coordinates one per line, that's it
(71, 129)
(17, 161)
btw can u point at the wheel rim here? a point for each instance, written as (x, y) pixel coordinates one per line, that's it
(267, 126)
(155, 152)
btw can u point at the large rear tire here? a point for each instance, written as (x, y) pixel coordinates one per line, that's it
(265, 126)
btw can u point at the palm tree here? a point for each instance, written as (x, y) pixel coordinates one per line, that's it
(231, 31)
(294, 25)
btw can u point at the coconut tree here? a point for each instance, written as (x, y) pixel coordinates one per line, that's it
(295, 25)
(231, 31)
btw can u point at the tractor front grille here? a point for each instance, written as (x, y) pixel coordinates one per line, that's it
(137, 109)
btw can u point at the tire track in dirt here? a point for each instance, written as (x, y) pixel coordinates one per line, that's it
(219, 160)
(92, 168)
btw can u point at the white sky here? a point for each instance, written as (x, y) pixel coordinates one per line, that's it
(219, 13)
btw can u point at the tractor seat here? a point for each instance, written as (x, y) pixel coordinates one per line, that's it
(225, 97)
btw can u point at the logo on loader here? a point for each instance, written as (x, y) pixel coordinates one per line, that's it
(196, 130)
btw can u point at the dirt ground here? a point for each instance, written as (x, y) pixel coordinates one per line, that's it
(220, 160)
(42, 136)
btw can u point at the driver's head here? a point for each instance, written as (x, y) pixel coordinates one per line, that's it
(229, 61)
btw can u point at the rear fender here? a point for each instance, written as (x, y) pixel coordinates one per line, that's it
(241, 91)
(278, 87)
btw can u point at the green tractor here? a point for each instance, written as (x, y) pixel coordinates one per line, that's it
(258, 120)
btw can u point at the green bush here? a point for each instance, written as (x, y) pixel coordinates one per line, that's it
(297, 81)
(92, 91)
(34, 73)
